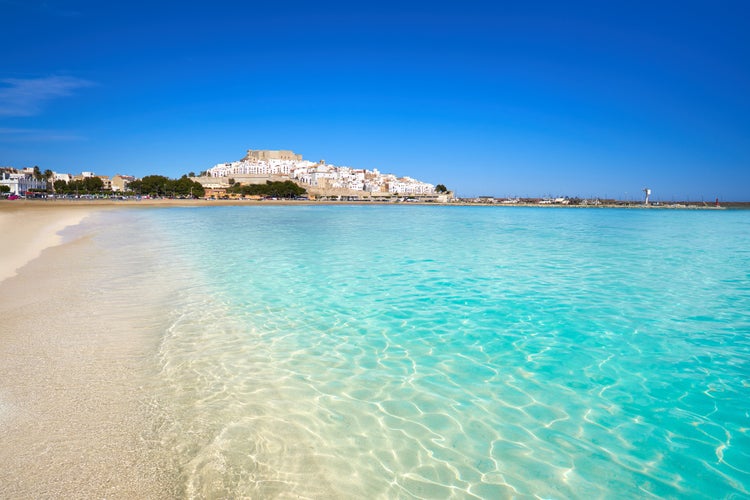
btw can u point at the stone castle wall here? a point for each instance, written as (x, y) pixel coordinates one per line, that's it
(267, 154)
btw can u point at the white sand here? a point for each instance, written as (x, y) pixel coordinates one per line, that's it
(76, 415)
(26, 231)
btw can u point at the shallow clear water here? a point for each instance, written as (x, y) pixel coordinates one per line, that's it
(381, 352)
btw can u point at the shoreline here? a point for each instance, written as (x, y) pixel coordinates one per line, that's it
(82, 400)
(27, 230)
(6, 205)
(76, 409)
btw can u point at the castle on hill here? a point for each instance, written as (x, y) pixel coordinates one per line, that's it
(267, 154)
(258, 165)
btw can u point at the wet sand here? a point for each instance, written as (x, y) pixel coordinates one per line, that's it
(27, 229)
(78, 415)
(76, 418)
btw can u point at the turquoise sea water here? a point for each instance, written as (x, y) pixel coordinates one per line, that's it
(436, 352)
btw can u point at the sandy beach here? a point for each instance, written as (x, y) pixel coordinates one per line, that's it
(27, 229)
(29, 226)
(75, 416)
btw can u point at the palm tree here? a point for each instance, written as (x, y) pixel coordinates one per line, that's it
(48, 174)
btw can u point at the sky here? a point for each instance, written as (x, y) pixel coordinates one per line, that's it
(503, 98)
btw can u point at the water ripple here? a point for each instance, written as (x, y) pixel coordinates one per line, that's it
(522, 353)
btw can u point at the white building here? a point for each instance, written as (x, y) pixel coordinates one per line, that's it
(61, 177)
(409, 186)
(257, 167)
(20, 182)
(324, 175)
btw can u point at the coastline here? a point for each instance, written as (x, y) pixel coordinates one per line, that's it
(27, 229)
(76, 412)
(19, 205)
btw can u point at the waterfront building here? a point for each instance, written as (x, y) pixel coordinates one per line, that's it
(120, 182)
(61, 177)
(20, 182)
(106, 182)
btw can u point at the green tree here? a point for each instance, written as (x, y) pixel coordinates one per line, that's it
(155, 185)
(440, 188)
(184, 187)
(159, 185)
(286, 189)
(37, 173)
(61, 186)
(48, 177)
(89, 185)
(197, 190)
(93, 185)
(4, 188)
(289, 189)
(135, 186)
(191, 174)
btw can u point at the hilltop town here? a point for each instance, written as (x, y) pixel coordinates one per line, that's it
(320, 179)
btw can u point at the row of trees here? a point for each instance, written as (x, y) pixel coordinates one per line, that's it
(275, 189)
(151, 185)
(89, 185)
(158, 185)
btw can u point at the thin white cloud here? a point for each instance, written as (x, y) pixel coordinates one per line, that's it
(27, 97)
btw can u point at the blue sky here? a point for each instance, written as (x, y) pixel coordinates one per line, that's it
(499, 98)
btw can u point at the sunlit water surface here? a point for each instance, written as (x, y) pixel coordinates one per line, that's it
(435, 352)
